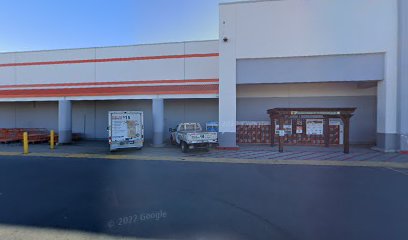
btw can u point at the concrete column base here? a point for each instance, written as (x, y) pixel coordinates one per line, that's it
(64, 137)
(387, 142)
(404, 143)
(64, 122)
(227, 140)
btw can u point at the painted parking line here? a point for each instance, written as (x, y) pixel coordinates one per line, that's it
(395, 165)
(296, 155)
(393, 157)
(372, 156)
(354, 156)
(317, 155)
(398, 171)
(334, 154)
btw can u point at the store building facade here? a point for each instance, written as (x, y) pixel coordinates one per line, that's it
(271, 54)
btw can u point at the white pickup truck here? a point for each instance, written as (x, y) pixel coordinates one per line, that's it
(191, 136)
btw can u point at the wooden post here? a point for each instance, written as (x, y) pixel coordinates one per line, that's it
(326, 132)
(272, 131)
(281, 139)
(346, 121)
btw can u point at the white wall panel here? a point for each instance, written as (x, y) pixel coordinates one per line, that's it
(55, 55)
(201, 47)
(7, 58)
(140, 70)
(141, 50)
(201, 68)
(60, 73)
(7, 74)
(55, 73)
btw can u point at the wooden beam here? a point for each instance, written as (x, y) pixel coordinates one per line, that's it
(346, 121)
(281, 139)
(272, 131)
(326, 131)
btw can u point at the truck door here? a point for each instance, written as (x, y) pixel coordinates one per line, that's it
(126, 129)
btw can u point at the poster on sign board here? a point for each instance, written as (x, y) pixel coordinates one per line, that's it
(287, 127)
(314, 126)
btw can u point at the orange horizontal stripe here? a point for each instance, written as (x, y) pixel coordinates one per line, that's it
(113, 91)
(109, 60)
(111, 83)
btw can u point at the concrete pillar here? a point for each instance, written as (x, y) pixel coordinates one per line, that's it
(158, 122)
(387, 94)
(64, 122)
(403, 74)
(387, 130)
(227, 88)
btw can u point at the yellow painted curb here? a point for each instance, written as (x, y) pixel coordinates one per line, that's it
(217, 160)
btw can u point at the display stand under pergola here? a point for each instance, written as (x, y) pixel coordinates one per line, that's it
(283, 114)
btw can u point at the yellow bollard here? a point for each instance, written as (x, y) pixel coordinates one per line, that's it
(52, 143)
(25, 142)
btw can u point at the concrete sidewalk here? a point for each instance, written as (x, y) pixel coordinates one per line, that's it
(360, 155)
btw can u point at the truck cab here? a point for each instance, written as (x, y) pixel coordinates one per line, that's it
(191, 136)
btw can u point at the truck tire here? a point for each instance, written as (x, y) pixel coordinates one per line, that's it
(184, 147)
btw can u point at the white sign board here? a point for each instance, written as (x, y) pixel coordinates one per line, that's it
(314, 126)
(335, 122)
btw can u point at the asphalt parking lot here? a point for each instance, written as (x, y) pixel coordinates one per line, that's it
(191, 200)
(359, 153)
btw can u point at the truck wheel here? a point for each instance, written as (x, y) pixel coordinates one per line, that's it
(184, 147)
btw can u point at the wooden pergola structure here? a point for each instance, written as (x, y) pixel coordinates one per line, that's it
(282, 114)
